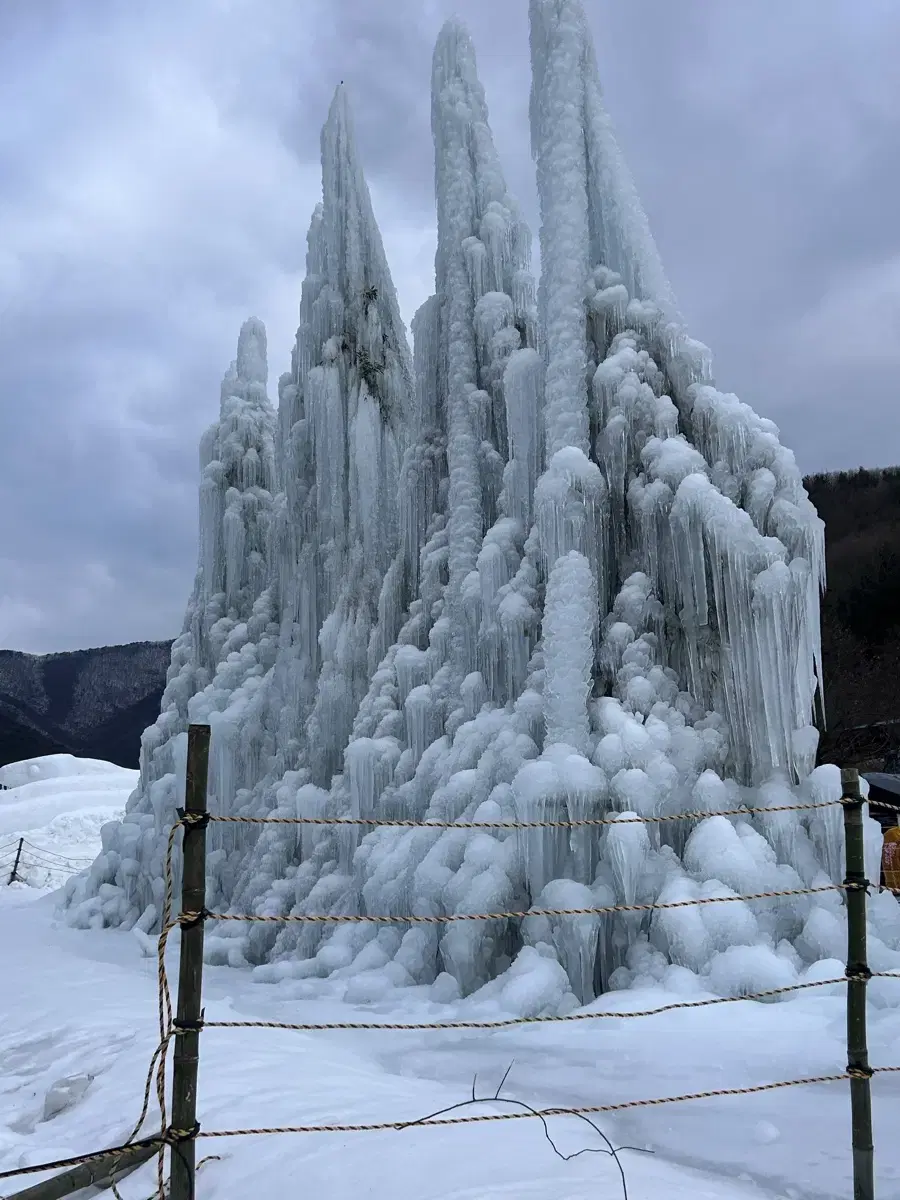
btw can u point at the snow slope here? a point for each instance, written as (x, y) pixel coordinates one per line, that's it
(63, 767)
(58, 804)
(86, 1004)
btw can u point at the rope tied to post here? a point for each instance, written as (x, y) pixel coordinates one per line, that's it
(859, 1072)
(183, 1025)
(859, 973)
(195, 820)
(190, 920)
(176, 1137)
(857, 883)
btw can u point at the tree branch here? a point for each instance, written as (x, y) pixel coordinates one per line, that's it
(610, 1150)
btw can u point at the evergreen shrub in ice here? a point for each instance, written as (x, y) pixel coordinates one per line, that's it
(542, 569)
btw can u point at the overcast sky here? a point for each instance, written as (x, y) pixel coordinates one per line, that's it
(159, 164)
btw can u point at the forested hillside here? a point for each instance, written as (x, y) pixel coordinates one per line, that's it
(94, 703)
(861, 610)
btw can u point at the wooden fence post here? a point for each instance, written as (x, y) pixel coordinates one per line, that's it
(858, 975)
(188, 1018)
(14, 873)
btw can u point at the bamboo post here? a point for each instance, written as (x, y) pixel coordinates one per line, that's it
(858, 975)
(14, 873)
(188, 1019)
(113, 1166)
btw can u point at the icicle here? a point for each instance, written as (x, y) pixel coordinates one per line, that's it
(586, 789)
(570, 632)
(538, 796)
(627, 848)
(418, 707)
(523, 385)
(571, 503)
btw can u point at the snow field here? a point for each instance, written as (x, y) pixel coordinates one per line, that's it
(86, 1007)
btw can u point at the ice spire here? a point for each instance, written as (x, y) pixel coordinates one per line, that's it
(351, 370)
(238, 469)
(345, 411)
(455, 102)
(484, 291)
(558, 34)
(680, 460)
(575, 147)
(228, 639)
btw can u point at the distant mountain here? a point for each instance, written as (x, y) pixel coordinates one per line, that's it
(95, 703)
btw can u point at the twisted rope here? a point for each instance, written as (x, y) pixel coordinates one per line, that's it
(697, 814)
(173, 1136)
(190, 918)
(509, 1022)
(586, 1110)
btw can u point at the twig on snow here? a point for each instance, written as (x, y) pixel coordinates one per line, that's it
(611, 1151)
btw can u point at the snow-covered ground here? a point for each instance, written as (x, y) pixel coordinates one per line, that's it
(84, 1002)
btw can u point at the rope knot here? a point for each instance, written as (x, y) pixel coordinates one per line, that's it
(185, 1026)
(857, 973)
(190, 920)
(174, 1137)
(193, 820)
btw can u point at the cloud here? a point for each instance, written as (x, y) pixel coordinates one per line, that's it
(856, 323)
(159, 163)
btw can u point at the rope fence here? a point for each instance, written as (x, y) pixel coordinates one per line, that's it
(20, 856)
(181, 1132)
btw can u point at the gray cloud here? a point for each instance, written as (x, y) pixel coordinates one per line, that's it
(159, 162)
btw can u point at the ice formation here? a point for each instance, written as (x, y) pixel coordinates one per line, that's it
(546, 570)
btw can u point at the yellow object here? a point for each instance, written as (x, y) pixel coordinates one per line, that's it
(890, 858)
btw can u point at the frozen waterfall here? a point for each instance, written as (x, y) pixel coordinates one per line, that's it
(541, 569)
